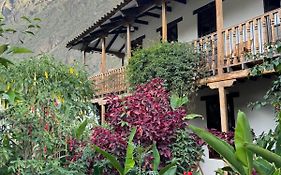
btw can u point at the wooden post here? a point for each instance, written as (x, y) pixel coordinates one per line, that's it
(223, 109)
(84, 58)
(221, 85)
(220, 54)
(129, 47)
(103, 56)
(102, 114)
(164, 21)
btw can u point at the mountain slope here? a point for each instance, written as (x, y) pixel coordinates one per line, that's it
(62, 20)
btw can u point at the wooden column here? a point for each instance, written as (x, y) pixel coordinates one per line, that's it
(84, 58)
(220, 51)
(221, 85)
(129, 47)
(164, 21)
(103, 56)
(102, 114)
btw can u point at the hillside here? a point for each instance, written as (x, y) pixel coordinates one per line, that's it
(62, 20)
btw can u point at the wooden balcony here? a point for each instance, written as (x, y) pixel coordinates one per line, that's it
(244, 45)
(113, 81)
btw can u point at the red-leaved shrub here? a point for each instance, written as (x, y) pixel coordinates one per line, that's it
(111, 142)
(148, 109)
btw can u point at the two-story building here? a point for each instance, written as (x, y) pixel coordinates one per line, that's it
(226, 29)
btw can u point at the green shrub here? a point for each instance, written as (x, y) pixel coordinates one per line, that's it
(45, 102)
(177, 63)
(186, 151)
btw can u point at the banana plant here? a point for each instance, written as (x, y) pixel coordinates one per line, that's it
(129, 160)
(129, 164)
(241, 158)
(169, 169)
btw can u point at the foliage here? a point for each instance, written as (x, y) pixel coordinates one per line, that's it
(186, 151)
(241, 159)
(129, 164)
(129, 159)
(271, 62)
(177, 63)
(149, 110)
(8, 50)
(48, 101)
(109, 141)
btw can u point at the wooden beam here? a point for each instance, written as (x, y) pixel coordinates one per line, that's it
(155, 15)
(97, 43)
(181, 1)
(129, 48)
(112, 41)
(141, 22)
(223, 101)
(220, 50)
(123, 46)
(164, 21)
(103, 56)
(229, 76)
(116, 53)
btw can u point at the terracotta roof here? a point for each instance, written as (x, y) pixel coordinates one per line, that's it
(99, 22)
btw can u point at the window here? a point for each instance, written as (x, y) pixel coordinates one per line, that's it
(213, 111)
(172, 30)
(271, 5)
(213, 115)
(206, 19)
(172, 33)
(137, 43)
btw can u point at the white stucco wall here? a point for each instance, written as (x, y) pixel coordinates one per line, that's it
(260, 119)
(235, 12)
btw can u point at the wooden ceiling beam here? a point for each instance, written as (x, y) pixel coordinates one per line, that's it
(181, 1)
(118, 54)
(123, 46)
(141, 22)
(155, 15)
(168, 8)
(112, 41)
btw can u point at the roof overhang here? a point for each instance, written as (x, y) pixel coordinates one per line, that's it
(113, 24)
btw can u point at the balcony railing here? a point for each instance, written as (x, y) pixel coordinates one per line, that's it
(248, 38)
(113, 81)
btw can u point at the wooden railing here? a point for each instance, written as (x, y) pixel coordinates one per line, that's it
(113, 81)
(248, 38)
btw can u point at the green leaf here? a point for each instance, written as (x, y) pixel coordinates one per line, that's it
(156, 158)
(19, 50)
(5, 62)
(113, 160)
(192, 116)
(171, 171)
(10, 30)
(177, 101)
(26, 19)
(29, 32)
(37, 19)
(129, 160)
(167, 168)
(267, 155)
(3, 48)
(80, 130)
(220, 146)
(243, 135)
(263, 167)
